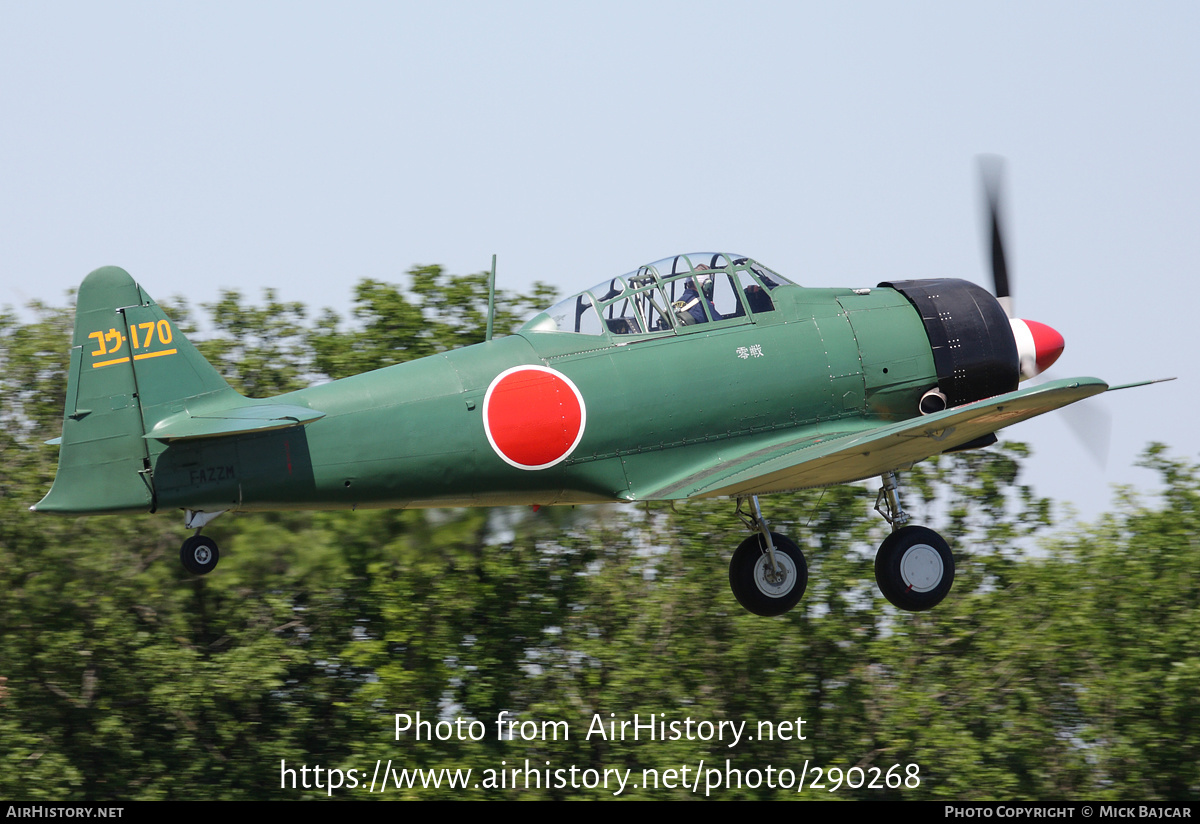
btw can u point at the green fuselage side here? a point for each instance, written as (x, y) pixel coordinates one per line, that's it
(413, 435)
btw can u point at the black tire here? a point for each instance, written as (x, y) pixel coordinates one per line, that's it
(914, 568)
(750, 566)
(199, 555)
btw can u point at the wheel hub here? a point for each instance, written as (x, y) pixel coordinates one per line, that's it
(775, 583)
(202, 554)
(921, 568)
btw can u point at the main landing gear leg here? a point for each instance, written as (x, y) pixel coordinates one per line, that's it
(199, 554)
(914, 566)
(767, 573)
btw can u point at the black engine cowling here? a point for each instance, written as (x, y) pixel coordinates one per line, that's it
(974, 351)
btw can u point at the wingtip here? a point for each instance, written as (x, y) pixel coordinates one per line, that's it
(1140, 383)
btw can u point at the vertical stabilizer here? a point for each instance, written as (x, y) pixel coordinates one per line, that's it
(130, 367)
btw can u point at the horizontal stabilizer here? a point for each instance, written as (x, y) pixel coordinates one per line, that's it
(237, 420)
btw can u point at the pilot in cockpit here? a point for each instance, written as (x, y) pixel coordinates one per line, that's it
(688, 309)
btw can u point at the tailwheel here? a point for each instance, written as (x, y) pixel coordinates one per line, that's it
(763, 588)
(199, 555)
(914, 568)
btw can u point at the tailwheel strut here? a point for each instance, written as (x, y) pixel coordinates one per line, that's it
(199, 553)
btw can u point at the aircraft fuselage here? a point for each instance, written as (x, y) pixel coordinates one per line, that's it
(413, 434)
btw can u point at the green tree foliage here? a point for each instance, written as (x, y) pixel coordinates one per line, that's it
(1136, 618)
(1063, 665)
(260, 350)
(440, 312)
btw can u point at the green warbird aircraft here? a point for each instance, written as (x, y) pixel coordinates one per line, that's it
(701, 375)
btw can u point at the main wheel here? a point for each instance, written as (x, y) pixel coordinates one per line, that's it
(199, 555)
(914, 568)
(758, 588)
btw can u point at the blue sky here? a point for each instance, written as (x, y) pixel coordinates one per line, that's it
(304, 146)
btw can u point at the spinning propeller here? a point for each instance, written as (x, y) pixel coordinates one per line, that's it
(1038, 345)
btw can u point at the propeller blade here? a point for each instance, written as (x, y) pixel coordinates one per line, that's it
(991, 171)
(1091, 424)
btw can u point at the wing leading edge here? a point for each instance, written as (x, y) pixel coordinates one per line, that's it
(835, 458)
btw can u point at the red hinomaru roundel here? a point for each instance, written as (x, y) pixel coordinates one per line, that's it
(534, 416)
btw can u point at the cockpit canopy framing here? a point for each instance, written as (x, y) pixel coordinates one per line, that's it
(667, 296)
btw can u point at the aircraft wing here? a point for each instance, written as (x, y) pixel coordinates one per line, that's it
(798, 461)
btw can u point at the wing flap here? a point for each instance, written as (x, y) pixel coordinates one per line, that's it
(825, 459)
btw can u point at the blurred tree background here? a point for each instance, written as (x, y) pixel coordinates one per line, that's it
(1067, 671)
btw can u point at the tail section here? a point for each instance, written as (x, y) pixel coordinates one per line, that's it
(130, 369)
